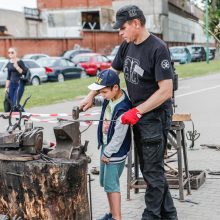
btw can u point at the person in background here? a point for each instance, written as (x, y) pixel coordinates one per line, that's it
(14, 83)
(114, 138)
(145, 61)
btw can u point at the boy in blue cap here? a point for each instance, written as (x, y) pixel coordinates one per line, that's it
(114, 138)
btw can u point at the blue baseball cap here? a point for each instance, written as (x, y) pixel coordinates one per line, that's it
(104, 79)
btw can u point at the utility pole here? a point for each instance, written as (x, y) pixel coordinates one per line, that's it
(207, 33)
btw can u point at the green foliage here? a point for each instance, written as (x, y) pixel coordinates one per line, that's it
(214, 17)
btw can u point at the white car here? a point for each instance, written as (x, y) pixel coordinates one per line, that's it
(38, 73)
(34, 56)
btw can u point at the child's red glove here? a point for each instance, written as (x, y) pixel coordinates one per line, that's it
(131, 117)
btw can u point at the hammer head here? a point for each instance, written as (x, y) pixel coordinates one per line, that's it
(75, 112)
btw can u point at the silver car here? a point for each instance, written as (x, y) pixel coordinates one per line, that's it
(38, 73)
(34, 56)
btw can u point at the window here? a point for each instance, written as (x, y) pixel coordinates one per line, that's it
(91, 20)
(81, 59)
(31, 64)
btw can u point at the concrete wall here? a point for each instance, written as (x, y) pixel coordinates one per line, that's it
(171, 20)
(155, 11)
(8, 18)
(18, 26)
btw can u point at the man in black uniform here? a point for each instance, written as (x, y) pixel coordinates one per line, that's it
(145, 61)
(146, 64)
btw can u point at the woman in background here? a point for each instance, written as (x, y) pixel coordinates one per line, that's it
(14, 83)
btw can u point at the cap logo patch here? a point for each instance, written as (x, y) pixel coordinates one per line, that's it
(165, 64)
(132, 12)
(98, 80)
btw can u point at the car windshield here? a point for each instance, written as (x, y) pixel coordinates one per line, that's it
(66, 53)
(47, 62)
(177, 50)
(81, 59)
(114, 51)
(31, 64)
(1, 64)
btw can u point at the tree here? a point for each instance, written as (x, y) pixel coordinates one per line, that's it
(214, 18)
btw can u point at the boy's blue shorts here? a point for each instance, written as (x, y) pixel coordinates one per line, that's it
(109, 176)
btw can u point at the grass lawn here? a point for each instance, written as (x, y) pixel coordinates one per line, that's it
(198, 68)
(49, 93)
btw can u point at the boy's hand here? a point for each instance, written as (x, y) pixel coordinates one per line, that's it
(105, 159)
(131, 117)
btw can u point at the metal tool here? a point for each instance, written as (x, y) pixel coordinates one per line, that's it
(27, 140)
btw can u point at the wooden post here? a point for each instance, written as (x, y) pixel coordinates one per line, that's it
(44, 190)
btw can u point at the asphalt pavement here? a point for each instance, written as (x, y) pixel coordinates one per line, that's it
(198, 96)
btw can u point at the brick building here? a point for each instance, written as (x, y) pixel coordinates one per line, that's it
(170, 19)
(89, 23)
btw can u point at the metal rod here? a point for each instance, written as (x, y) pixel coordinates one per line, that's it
(83, 120)
(90, 195)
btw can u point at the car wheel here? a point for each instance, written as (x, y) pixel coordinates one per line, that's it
(35, 81)
(60, 77)
(84, 74)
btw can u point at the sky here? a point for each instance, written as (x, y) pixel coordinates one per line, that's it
(17, 5)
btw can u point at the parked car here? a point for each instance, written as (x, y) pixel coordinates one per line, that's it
(212, 53)
(38, 73)
(3, 71)
(93, 63)
(180, 54)
(34, 56)
(60, 69)
(113, 53)
(197, 52)
(69, 54)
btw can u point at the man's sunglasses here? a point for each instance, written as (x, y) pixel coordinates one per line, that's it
(10, 52)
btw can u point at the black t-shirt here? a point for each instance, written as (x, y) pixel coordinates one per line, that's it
(13, 74)
(144, 65)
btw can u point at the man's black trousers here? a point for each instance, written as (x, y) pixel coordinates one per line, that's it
(150, 137)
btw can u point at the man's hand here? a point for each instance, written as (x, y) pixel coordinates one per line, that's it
(105, 159)
(131, 117)
(87, 102)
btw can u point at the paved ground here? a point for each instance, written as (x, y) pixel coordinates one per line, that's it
(203, 204)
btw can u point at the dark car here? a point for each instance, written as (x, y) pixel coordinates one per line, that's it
(60, 69)
(197, 52)
(212, 53)
(70, 54)
(93, 63)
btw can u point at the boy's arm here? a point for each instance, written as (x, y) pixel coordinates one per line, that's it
(117, 139)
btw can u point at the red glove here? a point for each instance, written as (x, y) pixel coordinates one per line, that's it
(131, 117)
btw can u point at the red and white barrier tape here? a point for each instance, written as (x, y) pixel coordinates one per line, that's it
(15, 114)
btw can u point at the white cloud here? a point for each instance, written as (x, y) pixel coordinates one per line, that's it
(17, 5)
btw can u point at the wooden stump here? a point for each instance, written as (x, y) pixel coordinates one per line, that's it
(39, 190)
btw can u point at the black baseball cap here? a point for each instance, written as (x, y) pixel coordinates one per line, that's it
(104, 79)
(127, 13)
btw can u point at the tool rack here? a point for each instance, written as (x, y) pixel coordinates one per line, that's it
(134, 181)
